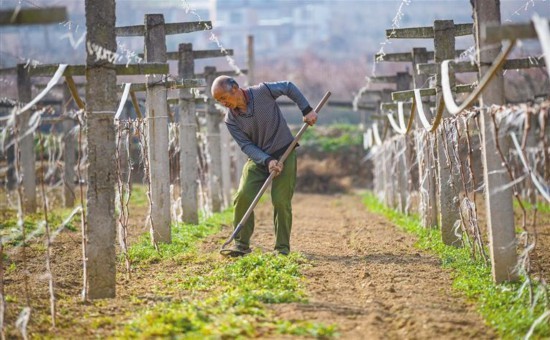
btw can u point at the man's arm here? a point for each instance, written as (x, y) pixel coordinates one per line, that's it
(290, 90)
(246, 145)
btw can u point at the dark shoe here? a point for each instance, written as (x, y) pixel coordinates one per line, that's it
(281, 252)
(235, 251)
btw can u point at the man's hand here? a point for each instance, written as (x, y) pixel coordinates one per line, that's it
(310, 118)
(275, 166)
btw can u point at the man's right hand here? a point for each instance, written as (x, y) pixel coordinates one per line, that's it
(275, 166)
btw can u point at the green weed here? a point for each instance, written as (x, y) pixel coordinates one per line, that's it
(229, 301)
(34, 225)
(223, 298)
(184, 239)
(333, 138)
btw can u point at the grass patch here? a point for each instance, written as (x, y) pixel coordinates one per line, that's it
(229, 301)
(541, 206)
(223, 298)
(138, 197)
(34, 225)
(506, 307)
(333, 138)
(184, 240)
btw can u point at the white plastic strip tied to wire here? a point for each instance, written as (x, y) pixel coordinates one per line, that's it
(55, 79)
(123, 100)
(543, 32)
(446, 84)
(401, 128)
(541, 187)
(376, 134)
(420, 108)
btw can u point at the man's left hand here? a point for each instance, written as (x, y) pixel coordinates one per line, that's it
(311, 118)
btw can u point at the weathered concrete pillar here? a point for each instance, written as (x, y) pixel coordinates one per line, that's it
(101, 101)
(26, 144)
(444, 44)
(390, 166)
(189, 168)
(239, 156)
(213, 144)
(498, 199)
(426, 172)
(69, 151)
(226, 140)
(404, 152)
(157, 130)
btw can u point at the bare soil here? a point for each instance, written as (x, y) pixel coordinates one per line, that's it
(367, 277)
(364, 275)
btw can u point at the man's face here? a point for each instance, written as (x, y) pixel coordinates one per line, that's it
(226, 98)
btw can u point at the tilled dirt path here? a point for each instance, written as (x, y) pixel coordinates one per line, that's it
(367, 277)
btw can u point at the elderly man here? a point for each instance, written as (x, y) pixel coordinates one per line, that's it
(256, 123)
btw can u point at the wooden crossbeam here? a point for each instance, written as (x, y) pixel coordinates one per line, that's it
(393, 106)
(198, 100)
(405, 56)
(493, 34)
(180, 84)
(10, 71)
(406, 95)
(336, 103)
(121, 69)
(384, 79)
(376, 92)
(466, 66)
(426, 32)
(32, 16)
(224, 73)
(169, 29)
(200, 54)
(57, 87)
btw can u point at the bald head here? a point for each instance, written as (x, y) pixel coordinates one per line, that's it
(227, 92)
(223, 84)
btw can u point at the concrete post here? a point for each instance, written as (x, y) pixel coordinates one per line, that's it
(226, 140)
(157, 130)
(389, 164)
(26, 144)
(213, 144)
(444, 48)
(404, 152)
(101, 101)
(426, 176)
(239, 156)
(500, 211)
(189, 168)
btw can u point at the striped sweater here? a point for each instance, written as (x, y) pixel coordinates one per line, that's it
(262, 132)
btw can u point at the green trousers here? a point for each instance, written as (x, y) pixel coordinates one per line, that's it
(282, 190)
